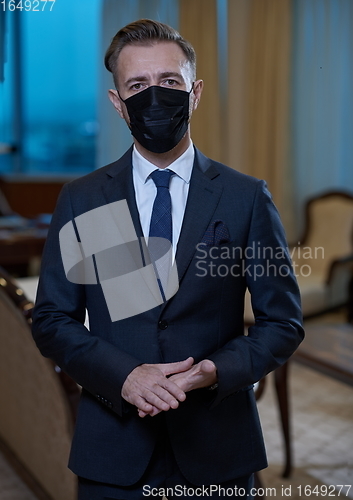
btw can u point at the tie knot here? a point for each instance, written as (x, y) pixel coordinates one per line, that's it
(161, 178)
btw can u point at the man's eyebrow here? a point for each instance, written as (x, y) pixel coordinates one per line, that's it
(167, 74)
(143, 78)
(136, 79)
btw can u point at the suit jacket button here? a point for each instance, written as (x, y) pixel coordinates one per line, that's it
(163, 324)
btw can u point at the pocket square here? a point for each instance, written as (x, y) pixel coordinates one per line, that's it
(216, 234)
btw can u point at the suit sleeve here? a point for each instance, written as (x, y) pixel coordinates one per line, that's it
(58, 324)
(275, 298)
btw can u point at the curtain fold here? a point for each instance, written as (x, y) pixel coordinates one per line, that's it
(198, 24)
(251, 133)
(238, 26)
(267, 98)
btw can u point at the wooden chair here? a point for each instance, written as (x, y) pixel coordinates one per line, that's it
(37, 402)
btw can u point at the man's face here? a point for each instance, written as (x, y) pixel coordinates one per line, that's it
(141, 66)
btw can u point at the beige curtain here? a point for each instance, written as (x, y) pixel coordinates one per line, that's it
(251, 133)
(259, 71)
(198, 24)
(238, 28)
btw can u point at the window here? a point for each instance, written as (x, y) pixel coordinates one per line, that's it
(48, 100)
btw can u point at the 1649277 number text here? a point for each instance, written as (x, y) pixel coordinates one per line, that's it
(27, 5)
(324, 490)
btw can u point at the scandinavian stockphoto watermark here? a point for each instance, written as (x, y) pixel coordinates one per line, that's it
(101, 246)
(255, 261)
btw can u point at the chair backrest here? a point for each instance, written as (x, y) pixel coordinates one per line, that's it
(329, 230)
(35, 415)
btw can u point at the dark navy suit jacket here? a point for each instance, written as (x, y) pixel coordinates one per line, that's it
(215, 435)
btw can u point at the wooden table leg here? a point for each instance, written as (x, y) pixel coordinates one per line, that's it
(281, 386)
(258, 485)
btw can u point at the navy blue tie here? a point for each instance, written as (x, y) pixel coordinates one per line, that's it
(161, 227)
(161, 219)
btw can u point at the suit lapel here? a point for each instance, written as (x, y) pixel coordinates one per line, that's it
(203, 198)
(120, 186)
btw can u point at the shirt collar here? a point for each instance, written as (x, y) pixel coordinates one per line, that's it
(182, 166)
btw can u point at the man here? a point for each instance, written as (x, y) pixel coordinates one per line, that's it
(167, 399)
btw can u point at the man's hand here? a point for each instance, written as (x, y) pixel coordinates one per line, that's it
(203, 374)
(148, 388)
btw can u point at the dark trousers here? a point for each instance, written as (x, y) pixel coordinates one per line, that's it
(163, 477)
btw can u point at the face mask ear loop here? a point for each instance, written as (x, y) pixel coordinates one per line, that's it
(122, 98)
(192, 88)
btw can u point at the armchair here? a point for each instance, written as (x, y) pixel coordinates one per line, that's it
(37, 402)
(323, 260)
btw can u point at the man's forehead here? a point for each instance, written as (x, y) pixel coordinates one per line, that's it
(152, 53)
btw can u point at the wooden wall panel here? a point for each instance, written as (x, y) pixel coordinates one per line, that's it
(30, 197)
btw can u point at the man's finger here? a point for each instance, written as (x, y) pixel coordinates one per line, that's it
(141, 404)
(177, 367)
(161, 393)
(152, 413)
(174, 390)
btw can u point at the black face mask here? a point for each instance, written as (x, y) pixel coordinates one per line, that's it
(159, 117)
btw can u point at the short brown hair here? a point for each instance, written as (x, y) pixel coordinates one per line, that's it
(146, 31)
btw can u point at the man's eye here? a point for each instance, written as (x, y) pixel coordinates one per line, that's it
(137, 86)
(170, 82)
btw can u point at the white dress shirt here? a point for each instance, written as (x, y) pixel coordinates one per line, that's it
(145, 189)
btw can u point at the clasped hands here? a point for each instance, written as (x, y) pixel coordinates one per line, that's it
(153, 388)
